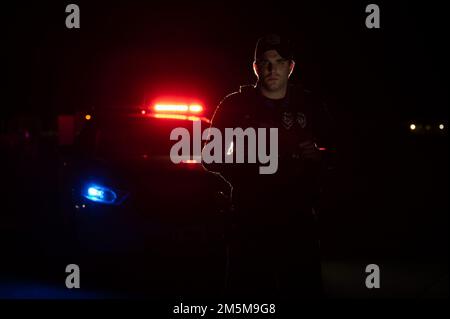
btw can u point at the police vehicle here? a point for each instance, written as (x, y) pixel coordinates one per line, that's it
(133, 213)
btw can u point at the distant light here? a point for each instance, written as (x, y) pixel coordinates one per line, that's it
(143, 112)
(412, 127)
(441, 126)
(88, 117)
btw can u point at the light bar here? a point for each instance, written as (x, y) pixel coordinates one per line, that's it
(171, 108)
(195, 108)
(190, 161)
(178, 108)
(180, 117)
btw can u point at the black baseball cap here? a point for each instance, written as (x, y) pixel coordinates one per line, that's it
(273, 41)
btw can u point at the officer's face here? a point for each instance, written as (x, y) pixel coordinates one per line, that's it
(273, 71)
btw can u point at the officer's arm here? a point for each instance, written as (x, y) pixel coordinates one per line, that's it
(225, 116)
(218, 122)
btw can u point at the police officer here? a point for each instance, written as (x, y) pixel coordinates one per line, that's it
(274, 243)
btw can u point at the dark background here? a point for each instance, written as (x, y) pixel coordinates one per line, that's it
(387, 201)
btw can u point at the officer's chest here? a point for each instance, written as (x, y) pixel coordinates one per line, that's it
(290, 121)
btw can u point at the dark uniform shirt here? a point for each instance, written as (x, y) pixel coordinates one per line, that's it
(302, 121)
(273, 213)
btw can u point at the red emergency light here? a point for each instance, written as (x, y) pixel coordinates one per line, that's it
(176, 109)
(190, 161)
(177, 117)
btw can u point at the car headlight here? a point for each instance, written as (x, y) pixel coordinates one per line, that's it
(100, 194)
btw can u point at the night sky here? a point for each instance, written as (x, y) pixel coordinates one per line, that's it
(126, 52)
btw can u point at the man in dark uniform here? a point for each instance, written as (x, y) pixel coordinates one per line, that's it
(274, 247)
